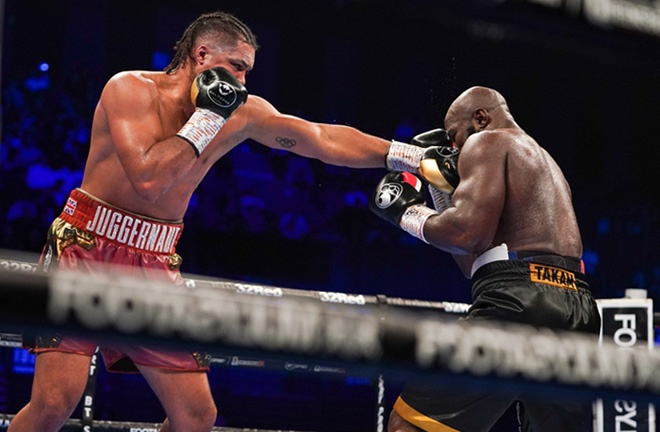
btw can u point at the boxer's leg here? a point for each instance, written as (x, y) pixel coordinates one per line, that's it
(185, 396)
(59, 382)
(397, 423)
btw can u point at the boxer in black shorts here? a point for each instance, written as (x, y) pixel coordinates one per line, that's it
(561, 301)
(511, 227)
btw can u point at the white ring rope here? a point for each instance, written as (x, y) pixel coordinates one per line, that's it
(116, 306)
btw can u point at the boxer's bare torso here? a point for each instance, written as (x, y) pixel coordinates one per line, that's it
(136, 161)
(511, 190)
(528, 201)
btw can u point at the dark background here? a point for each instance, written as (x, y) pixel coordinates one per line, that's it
(588, 93)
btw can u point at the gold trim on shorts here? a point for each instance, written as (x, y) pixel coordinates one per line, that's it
(62, 234)
(424, 422)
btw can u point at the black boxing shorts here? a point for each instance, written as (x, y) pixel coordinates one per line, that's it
(536, 291)
(88, 235)
(547, 291)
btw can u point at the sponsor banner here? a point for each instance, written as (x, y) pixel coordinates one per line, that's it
(628, 323)
(13, 265)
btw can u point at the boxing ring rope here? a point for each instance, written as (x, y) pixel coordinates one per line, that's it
(13, 340)
(296, 325)
(117, 426)
(192, 281)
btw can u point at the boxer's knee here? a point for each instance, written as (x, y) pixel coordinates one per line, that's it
(200, 418)
(206, 415)
(49, 413)
(396, 423)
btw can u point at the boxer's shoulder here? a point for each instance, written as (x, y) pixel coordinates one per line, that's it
(132, 89)
(133, 82)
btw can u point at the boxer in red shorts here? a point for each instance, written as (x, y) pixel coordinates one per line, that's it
(154, 137)
(91, 233)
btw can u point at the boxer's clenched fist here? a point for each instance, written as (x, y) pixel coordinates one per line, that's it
(216, 94)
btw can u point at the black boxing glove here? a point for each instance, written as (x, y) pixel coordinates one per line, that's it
(428, 156)
(434, 160)
(399, 199)
(405, 157)
(217, 94)
(434, 137)
(438, 166)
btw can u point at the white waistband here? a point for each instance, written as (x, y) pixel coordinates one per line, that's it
(498, 253)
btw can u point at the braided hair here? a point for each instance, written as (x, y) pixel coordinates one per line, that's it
(220, 24)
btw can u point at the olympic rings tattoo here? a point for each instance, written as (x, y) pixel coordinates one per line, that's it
(286, 142)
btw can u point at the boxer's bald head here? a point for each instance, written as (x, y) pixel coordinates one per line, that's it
(473, 111)
(472, 99)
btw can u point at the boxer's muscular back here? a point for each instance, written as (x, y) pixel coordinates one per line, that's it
(538, 212)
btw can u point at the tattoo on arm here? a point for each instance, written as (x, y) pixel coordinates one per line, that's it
(286, 142)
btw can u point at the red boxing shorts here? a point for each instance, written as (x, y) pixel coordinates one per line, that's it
(88, 235)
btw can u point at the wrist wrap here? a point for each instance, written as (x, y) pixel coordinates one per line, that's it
(414, 218)
(403, 157)
(200, 128)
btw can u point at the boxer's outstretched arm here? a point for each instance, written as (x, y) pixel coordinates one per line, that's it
(334, 144)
